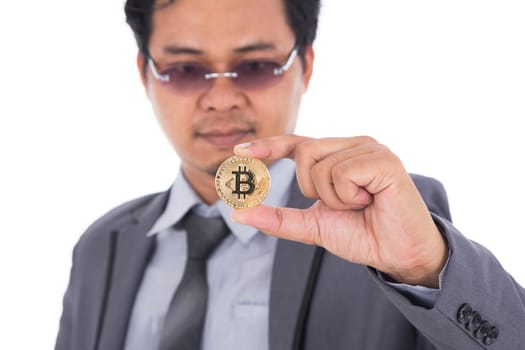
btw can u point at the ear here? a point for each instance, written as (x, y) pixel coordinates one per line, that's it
(308, 66)
(142, 71)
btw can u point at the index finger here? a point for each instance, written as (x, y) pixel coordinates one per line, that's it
(315, 160)
(271, 148)
(285, 146)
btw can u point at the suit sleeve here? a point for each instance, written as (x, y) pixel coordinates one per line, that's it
(63, 341)
(480, 305)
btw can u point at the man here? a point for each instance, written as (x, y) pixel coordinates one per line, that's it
(382, 267)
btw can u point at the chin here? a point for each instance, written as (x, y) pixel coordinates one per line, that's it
(212, 170)
(208, 162)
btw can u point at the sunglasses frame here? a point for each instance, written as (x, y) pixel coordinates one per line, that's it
(165, 78)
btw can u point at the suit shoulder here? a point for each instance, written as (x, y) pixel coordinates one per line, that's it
(434, 194)
(427, 184)
(117, 217)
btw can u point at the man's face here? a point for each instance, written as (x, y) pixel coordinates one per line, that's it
(203, 126)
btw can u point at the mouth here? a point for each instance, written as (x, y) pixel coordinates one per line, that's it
(225, 139)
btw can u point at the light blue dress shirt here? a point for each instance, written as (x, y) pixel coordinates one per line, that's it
(239, 274)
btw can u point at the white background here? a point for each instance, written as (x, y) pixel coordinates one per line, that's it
(441, 83)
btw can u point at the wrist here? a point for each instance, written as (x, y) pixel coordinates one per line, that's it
(424, 271)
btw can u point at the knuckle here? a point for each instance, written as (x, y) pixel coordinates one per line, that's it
(279, 222)
(302, 151)
(388, 155)
(384, 148)
(319, 169)
(339, 170)
(367, 139)
(306, 187)
(299, 155)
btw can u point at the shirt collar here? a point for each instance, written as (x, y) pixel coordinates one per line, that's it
(183, 198)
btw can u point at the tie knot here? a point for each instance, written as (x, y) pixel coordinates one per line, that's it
(204, 235)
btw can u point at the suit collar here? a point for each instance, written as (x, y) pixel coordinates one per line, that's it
(183, 198)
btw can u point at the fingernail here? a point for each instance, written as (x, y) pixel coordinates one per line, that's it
(242, 148)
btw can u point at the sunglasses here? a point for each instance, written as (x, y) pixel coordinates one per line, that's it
(248, 75)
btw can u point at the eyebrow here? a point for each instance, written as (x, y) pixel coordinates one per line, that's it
(182, 50)
(260, 46)
(186, 50)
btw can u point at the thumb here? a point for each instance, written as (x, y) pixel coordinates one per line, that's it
(286, 223)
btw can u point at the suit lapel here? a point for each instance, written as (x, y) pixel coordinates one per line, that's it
(291, 277)
(132, 252)
(291, 281)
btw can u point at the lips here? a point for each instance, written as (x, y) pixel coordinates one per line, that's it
(228, 138)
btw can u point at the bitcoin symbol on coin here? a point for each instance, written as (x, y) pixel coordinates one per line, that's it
(242, 182)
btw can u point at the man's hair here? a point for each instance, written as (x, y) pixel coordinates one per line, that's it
(302, 17)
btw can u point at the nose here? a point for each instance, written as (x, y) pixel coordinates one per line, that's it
(223, 95)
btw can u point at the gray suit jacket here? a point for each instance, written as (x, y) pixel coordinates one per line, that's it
(318, 301)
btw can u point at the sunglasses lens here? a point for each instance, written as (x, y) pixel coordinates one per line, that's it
(187, 77)
(191, 77)
(256, 74)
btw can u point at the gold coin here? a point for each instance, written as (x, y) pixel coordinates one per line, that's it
(242, 182)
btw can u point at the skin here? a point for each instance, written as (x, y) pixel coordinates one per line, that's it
(368, 210)
(204, 127)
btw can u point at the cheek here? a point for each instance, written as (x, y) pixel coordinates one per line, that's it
(277, 117)
(282, 108)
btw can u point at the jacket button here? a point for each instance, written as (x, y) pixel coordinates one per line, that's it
(474, 321)
(492, 336)
(483, 330)
(464, 313)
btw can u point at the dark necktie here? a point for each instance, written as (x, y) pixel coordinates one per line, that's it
(187, 311)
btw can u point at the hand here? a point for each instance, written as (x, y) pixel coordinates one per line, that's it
(368, 210)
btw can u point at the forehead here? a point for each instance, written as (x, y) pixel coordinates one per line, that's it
(220, 24)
